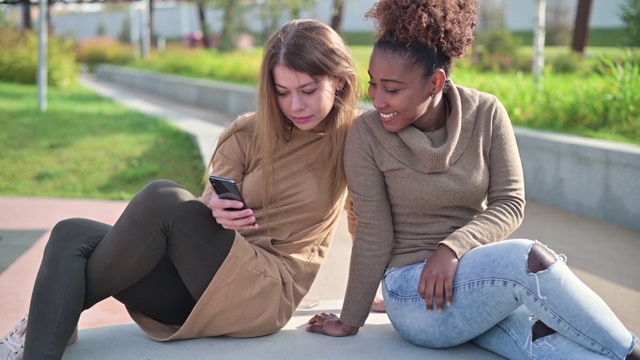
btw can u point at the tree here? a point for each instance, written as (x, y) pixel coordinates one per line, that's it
(336, 15)
(581, 28)
(101, 30)
(4, 22)
(26, 15)
(271, 11)
(204, 27)
(125, 30)
(269, 14)
(538, 41)
(630, 15)
(297, 6)
(229, 22)
(492, 15)
(151, 11)
(558, 23)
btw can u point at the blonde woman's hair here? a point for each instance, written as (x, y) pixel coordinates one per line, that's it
(311, 47)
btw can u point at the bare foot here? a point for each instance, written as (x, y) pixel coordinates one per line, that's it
(378, 305)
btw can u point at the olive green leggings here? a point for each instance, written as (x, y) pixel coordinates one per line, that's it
(158, 259)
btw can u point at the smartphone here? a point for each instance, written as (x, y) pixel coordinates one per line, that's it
(227, 189)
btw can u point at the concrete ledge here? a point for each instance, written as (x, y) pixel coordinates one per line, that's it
(377, 340)
(228, 98)
(595, 178)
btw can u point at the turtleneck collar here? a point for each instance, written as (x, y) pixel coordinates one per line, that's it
(415, 148)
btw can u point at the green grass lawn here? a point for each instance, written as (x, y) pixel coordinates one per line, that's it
(85, 146)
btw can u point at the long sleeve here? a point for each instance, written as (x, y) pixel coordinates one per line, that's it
(230, 158)
(374, 230)
(505, 195)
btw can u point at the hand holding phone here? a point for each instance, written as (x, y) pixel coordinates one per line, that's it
(227, 189)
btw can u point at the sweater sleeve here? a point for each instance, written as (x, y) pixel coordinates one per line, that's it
(505, 197)
(374, 231)
(228, 159)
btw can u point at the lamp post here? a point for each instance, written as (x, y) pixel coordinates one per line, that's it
(42, 57)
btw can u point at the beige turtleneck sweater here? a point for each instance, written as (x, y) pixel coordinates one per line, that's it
(461, 186)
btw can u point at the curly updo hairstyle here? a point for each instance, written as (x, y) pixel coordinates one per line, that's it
(428, 33)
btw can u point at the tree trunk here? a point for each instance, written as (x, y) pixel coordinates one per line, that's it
(336, 15)
(581, 27)
(26, 15)
(204, 28)
(49, 23)
(151, 34)
(228, 28)
(538, 41)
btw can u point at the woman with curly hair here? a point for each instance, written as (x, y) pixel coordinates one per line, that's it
(437, 185)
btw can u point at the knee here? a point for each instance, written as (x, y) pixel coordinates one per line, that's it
(540, 258)
(157, 200)
(64, 228)
(540, 330)
(154, 193)
(69, 236)
(157, 187)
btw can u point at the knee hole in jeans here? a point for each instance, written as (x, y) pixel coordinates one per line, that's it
(540, 329)
(540, 258)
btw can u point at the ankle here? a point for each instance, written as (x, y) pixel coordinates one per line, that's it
(378, 305)
(74, 337)
(635, 354)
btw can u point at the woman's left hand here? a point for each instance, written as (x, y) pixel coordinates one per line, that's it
(330, 324)
(229, 215)
(436, 280)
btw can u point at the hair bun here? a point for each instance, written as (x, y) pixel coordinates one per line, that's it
(446, 25)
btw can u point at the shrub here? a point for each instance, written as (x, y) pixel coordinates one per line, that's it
(568, 63)
(19, 59)
(498, 52)
(623, 95)
(235, 66)
(103, 49)
(630, 14)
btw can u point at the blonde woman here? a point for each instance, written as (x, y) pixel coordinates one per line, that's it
(189, 267)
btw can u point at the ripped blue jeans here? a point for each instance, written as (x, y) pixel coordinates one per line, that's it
(497, 300)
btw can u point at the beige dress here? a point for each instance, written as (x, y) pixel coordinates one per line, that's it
(269, 270)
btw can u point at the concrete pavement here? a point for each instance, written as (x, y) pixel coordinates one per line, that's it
(603, 255)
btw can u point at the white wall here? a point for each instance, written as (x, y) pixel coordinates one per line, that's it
(171, 21)
(521, 13)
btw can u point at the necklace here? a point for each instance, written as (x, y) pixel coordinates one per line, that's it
(293, 128)
(288, 140)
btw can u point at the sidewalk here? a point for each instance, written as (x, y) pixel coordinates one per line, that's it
(602, 255)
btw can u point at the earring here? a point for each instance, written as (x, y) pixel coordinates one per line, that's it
(433, 96)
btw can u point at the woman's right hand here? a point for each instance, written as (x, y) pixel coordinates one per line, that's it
(436, 279)
(225, 215)
(330, 324)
